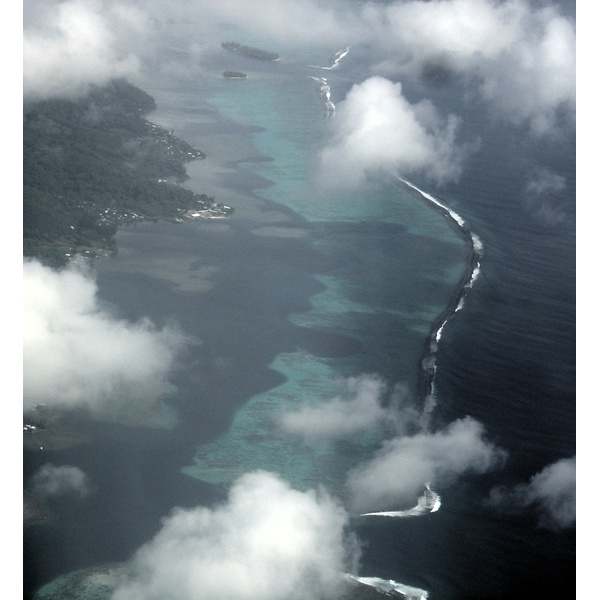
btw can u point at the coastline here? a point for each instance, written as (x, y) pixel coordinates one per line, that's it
(135, 175)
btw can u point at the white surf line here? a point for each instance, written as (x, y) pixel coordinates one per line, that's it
(325, 87)
(336, 62)
(389, 585)
(325, 90)
(428, 362)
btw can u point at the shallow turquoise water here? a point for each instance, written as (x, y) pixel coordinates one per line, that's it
(276, 114)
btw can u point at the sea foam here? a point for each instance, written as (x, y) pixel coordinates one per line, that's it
(428, 502)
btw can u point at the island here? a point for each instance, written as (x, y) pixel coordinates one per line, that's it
(93, 164)
(250, 51)
(234, 75)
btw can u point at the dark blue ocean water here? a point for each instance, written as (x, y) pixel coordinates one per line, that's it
(295, 286)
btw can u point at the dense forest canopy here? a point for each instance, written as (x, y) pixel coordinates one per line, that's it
(94, 163)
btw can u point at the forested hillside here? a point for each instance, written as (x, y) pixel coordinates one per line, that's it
(92, 164)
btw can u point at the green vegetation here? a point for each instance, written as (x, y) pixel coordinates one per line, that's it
(92, 164)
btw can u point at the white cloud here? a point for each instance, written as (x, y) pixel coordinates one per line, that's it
(375, 127)
(50, 481)
(69, 46)
(75, 353)
(459, 28)
(403, 465)
(552, 491)
(286, 21)
(519, 58)
(369, 405)
(267, 541)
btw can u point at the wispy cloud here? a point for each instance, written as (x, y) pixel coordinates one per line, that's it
(368, 404)
(543, 197)
(404, 464)
(552, 492)
(266, 541)
(285, 21)
(68, 46)
(75, 353)
(51, 481)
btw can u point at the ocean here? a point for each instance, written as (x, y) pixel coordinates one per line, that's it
(461, 299)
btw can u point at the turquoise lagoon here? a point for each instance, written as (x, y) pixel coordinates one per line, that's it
(399, 261)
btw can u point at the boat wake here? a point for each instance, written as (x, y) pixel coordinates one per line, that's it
(427, 503)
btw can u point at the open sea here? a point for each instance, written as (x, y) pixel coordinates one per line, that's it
(464, 297)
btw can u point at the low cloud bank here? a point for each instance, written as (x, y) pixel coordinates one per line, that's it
(51, 481)
(518, 56)
(75, 353)
(268, 541)
(402, 466)
(552, 492)
(376, 128)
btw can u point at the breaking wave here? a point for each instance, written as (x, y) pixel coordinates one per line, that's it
(336, 60)
(325, 88)
(427, 503)
(389, 585)
(429, 358)
(325, 91)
